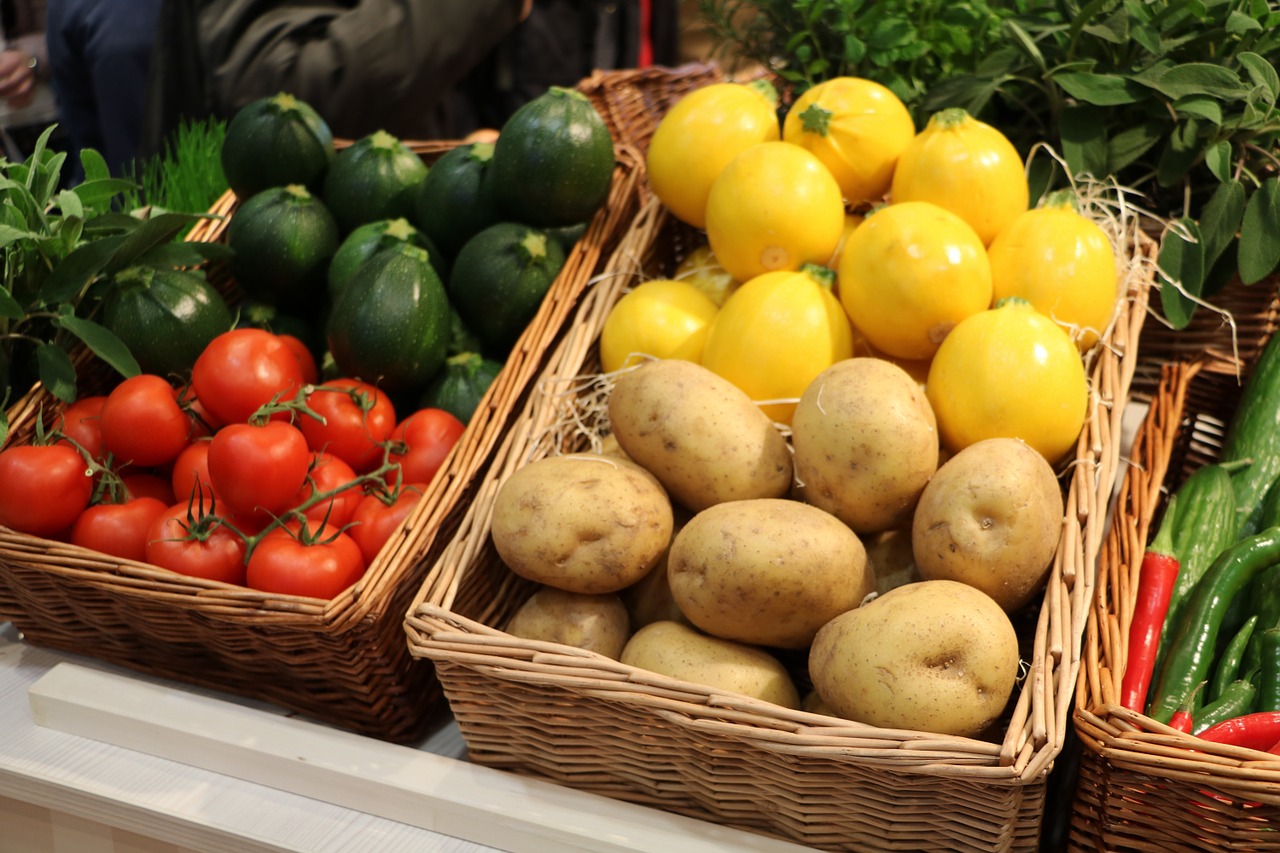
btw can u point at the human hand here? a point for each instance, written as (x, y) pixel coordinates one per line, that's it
(526, 7)
(17, 77)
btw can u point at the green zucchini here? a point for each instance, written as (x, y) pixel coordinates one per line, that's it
(1252, 436)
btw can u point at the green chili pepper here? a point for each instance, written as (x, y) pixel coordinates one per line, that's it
(1269, 678)
(1237, 699)
(1191, 653)
(1229, 661)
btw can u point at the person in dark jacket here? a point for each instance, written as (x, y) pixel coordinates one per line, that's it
(418, 69)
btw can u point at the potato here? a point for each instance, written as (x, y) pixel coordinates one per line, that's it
(649, 599)
(581, 523)
(767, 571)
(678, 651)
(866, 443)
(892, 562)
(991, 517)
(699, 434)
(934, 656)
(597, 623)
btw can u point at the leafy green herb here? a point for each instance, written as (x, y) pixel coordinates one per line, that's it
(60, 251)
(187, 176)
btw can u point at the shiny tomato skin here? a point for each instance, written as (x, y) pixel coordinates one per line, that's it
(82, 424)
(375, 521)
(191, 465)
(328, 472)
(429, 435)
(257, 471)
(283, 564)
(310, 373)
(119, 530)
(242, 369)
(351, 431)
(43, 489)
(219, 556)
(142, 423)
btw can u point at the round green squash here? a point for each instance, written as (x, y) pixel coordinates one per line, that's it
(275, 141)
(376, 177)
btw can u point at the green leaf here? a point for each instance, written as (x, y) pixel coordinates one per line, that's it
(1125, 147)
(1200, 106)
(1261, 72)
(151, 232)
(1238, 23)
(1105, 90)
(1182, 262)
(70, 205)
(1179, 154)
(10, 235)
(1084, 141)
(94, 165)
(1220, 218)
(1114, 29)
(185, 253)
(9, 307)
(100, 191)
(1201, 78)
(57, 373)
(1259, 249)
(77, 270)
(1026, 44)
(1218, 158)
(103, 342)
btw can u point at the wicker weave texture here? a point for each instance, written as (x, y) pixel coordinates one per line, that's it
(342, 661)
(1144, 786)
(632, 101)
(593, 723)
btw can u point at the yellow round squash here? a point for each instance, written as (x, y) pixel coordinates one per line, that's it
(909, 273)
(698, 137)
(966, 166)
(1009, 372)
(701, 269)
(1062, 263)
(857, 128)
(659, 318)
(774, 207)
(776, 333)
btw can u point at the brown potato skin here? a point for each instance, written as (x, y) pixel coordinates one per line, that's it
(866, 443)
(769, 572)
(992, 518)
(699, 434)
(581, 523)
(597, 623)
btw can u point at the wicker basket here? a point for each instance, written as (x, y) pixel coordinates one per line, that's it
(1142, 785)
(342, 661)
(632, 101)
(593, 723)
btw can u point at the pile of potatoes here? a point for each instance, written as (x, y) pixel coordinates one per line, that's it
(706, 546)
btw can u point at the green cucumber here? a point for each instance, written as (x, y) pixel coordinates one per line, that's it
(1253, 435)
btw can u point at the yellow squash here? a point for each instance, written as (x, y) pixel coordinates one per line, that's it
(1062, 263)
(1009, 372)
(909, 273)
(774, 207)
(701, 269)
(776, 333)
(698, 137)
(857, 128)
(659, 318)
(966, 166)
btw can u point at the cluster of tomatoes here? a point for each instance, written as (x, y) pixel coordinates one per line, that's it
(253, 473)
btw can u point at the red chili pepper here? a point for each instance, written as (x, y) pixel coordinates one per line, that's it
(1156, 576)
(1182, 719)
(1259, 730)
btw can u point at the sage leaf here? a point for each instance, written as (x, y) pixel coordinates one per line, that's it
(103, 342)
(1182, 262)
(1220, 218)
(1104, 90)
(1200, 106)
(1238, 23)
(9, 307)
(1179, 154)
(94, 165)
(1259, 250)
(56, 372)
(1084, 141)
(1218, 158)
(1201, 78)
(1128, 145)
(150, 233)
(1261, 72)
(77, 270)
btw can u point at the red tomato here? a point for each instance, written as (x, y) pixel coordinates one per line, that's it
(148, 486)
(185, 542)
(283, 563)
(81, 424)
(357, 418)
(203, 423)
(191, 465)
(118, 529)
(142, 423)
(43, 489)
(374, 520)
(310, 373)
(328, 473)
(429, 435)
(241, 370)
(256, 471)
